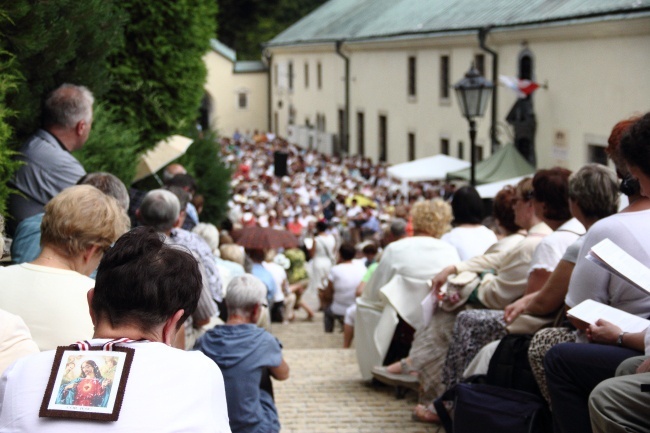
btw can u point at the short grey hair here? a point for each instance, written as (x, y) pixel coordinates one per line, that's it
(159, 210)
(209, 233)
(109, 184)
(594, 189)
(398, 227)
(68, 105)
(244, 293)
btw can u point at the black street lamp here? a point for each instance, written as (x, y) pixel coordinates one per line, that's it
(473, 93)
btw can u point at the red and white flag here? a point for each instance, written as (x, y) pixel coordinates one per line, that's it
(522, 88)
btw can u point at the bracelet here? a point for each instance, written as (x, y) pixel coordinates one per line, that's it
(619, 340)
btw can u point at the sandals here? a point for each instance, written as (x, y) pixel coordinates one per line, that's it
(399, 380)
(406, 368)
(425, 414)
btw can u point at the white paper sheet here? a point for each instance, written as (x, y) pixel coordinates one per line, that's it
(614, 259)
(590, 311)
(428, 307)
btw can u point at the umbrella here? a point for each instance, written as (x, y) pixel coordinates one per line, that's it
(162, 154)
(264, 238)
(362, 201)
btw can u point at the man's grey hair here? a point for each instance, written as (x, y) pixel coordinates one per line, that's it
(159, 210)
(68, 105)
(209, 233)
(109, 184)
(244, 293)
(398, 227)
(594, 188)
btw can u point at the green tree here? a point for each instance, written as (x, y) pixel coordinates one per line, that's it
(245, 25)
(56, 42)
(8, 81)
(111, 147)
(159, 75)
(203, 161)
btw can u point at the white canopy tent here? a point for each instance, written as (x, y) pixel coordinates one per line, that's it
(490, 190)
(429, 168)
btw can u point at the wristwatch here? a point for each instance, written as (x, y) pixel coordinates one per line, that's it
(619, 340)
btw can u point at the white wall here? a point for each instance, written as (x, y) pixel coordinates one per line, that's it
(597, 74)
(223, 87)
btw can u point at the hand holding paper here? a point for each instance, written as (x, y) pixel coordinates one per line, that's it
(603, 332)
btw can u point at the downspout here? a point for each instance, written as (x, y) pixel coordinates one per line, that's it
(346, 118)
(482, 35)
(269, 91)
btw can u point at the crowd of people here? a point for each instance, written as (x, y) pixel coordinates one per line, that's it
(424, 285)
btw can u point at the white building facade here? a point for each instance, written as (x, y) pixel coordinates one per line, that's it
(236, 92)
(592, 61)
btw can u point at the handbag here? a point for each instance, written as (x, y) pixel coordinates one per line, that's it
(487, 408)
(458, 290)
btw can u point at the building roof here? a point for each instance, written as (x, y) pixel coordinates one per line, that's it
(250, 66)
(224, 50)
(242, 66)
(370, 19)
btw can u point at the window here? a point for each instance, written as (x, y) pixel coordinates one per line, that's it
(306, 75)
(342, 132)
(596, 153)
(461, 150)
(526, 66)
(276, 122)
(383, 138)
(444, 146)
(411, 75)
(319, 75)
(361, 139)
(444, 77)
(411, 142)
(275, 74)
(479, 153)
(242, 100)
(290, 75)
(479, 63)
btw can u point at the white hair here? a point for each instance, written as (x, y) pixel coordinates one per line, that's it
(210, 234)
(244, 293)
(160, 209)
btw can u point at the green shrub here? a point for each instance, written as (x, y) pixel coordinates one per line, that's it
(203, 162)
(112, 146)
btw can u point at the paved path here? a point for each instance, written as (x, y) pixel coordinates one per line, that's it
(325, 393)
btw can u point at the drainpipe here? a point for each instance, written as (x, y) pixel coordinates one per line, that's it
(482, 35)
(269, 91)
(346, 118)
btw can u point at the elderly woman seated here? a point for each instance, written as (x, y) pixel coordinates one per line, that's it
(247, 356)
(79, 225)
(145, 290)
(400, 282)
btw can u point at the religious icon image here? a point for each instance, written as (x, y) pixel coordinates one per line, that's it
(86, 384)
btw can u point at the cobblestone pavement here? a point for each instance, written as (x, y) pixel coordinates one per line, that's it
(325, 393)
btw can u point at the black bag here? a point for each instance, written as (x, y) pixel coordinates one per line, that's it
(509, 366)
(485, 408)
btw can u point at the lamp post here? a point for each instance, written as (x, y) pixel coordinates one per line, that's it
(473, 93)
